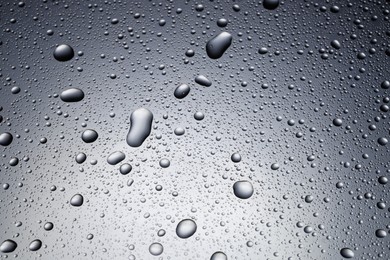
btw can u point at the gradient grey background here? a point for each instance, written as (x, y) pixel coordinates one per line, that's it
(240, 116)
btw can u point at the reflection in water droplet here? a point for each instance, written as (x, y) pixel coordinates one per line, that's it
(186, 228)
(140, 127)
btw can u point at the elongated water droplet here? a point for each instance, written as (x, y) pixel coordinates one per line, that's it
(182, 91)
(8, 246)
(217, 45)
(72, 95)
(116, 157)
(202, 80)
(140, 127)
(35, 245)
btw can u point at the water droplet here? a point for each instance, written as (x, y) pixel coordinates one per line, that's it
(81, 157)
(347, 253)
(140, 127)
(89, 136)
(48, 226)
(337, 122)
(179, 131)
(222, 22)
(186, 228)
(217, 45)
(218, 256)
(35, 245)
(63, 52)
(8, 246)
(243, 189)
(236, 157)
(199, 116)
(382, 141)
(270, 4)
(156, 249)
(6, 139)
(380, 233)
(116, 157)
(125, 168)
(77, 200)
(72, 95)
(182, 91)
(164, 163)
(335, 44)
(202, 80)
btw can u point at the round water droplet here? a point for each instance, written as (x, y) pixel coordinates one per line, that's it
(164, 163)
(202, 80)
(156, 249)
(6, 139)
(81, 157)
(179, 131)
(270, 4)
(140, 127)
(199, 116)
(77, 200)
(382, 141)
(72, 95)
(89, 136)
(222, 22)
(275, 166)
(218, 256)
(8, 246)
(243, 189)
(48, 226)
(63, 52)
(125, 168)
(347, 253)
(35, 245)
(236, 157)
(217, 45)
(186, 228)
(182, 91)
(337, 122)
(116, 157)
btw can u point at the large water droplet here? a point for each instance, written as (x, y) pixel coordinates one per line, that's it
(186, 228)
(347, 253)
(270, 4)
(89, 136)
(202, 80)
(77, 200)
(217, 45)
(182, 91)
(8, 246)
(218, 256)
(72, 95)
(116, 157)
(156, 249)
(243, 189)
(140, 127)
(6, 139)
(63, 52)
(35, 245)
